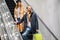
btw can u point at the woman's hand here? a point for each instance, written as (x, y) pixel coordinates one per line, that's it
(15, 22)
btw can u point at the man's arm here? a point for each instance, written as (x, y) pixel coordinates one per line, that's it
(36, 23)
(15, 22)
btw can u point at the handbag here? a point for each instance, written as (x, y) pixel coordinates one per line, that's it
(37, 36)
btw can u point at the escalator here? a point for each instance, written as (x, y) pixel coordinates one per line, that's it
(9, 29)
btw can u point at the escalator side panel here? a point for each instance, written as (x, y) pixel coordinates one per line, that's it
(13, 33)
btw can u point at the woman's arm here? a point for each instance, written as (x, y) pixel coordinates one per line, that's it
(15, 17)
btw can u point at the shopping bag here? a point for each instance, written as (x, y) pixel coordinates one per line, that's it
(37, 36)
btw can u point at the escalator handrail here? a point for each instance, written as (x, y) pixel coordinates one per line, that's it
(43, 23)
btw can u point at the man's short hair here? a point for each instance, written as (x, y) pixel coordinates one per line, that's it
(27, 6)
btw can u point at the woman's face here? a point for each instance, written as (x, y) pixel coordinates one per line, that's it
(19, 3)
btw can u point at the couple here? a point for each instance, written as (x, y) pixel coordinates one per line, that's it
(30, 23)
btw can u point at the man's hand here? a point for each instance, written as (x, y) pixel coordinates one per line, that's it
(37, 31)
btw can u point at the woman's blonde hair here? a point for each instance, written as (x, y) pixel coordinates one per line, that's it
(21, 7)
(17, 5)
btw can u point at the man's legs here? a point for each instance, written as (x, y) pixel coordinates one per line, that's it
(24, 35)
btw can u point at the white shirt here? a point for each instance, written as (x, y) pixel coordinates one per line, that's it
(28, 23)
(18, 14)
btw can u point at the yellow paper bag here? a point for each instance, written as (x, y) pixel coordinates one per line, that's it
(37, 37)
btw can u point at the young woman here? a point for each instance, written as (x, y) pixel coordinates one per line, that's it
(18, 14)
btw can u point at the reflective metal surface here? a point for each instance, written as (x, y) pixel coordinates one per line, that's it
(3, 33)
(10, 30)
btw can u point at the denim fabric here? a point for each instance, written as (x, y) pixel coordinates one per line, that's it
(24, 35)
(18, 19)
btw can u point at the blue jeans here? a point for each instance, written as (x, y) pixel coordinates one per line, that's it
(18, 19)
(24, 35)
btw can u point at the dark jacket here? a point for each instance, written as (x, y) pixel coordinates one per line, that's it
(33, 20)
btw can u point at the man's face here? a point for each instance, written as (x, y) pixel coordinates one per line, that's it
(29, 8)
